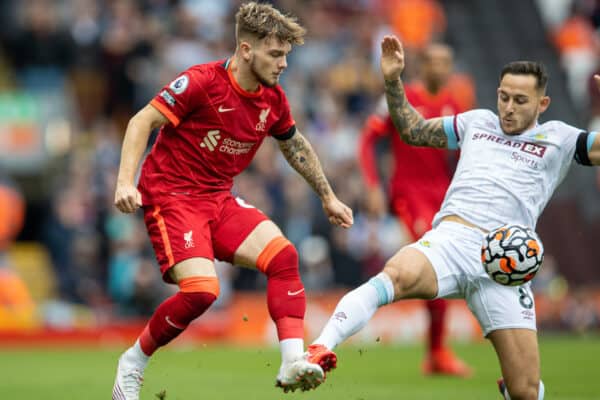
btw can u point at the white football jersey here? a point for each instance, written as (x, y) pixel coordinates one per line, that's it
(504, 179)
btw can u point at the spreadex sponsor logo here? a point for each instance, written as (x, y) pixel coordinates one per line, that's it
(526, 147)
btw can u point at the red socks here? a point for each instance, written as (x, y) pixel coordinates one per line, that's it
(286, 299)
(437, 314)
(174, 314)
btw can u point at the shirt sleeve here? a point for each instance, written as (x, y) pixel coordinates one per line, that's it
(455, 126)
(285, 122)
(582, 146)
(374, 129)
(180, 97)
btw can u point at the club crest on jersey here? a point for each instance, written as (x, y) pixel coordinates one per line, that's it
(179, 85)
(262, 119)
(189, 240)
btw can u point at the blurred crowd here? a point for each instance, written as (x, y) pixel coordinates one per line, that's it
(93, 64)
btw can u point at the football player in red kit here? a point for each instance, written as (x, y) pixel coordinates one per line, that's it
(419, 181)
(213, 118)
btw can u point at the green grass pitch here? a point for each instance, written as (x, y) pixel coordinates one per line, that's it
(569, 369)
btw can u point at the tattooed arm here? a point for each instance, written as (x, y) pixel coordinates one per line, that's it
(413, 128)
(300, 155)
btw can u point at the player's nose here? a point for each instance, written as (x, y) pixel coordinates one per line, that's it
(283, 63)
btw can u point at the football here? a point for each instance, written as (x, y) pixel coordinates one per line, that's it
(512, 254)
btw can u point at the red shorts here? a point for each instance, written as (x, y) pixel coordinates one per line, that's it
(416, 212)
(211, 226)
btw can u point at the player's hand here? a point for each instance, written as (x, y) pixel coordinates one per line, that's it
(338, 213)
(127, 197)
(375, 202)
(597, 79)
(392, 58)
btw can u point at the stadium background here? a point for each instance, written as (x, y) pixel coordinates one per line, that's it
(74, 271)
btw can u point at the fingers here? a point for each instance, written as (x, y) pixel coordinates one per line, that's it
(387, 45)
(597, 79)
(128, 202)
(343, 218)
(390, 45)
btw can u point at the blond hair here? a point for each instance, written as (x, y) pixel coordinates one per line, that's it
(262, 20)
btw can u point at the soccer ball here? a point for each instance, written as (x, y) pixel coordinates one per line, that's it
(512, 254)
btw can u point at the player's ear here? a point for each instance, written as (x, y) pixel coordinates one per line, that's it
(246, 50)
(544, 103)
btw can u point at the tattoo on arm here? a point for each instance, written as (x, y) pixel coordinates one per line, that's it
(413, 128)
(300, 155)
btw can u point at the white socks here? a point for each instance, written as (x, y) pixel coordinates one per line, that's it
(291, 350)
(136, 356)
(355, 309)
(541, 390)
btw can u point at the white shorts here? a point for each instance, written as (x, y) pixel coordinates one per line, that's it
(454, 250)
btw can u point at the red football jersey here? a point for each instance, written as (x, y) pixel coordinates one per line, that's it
(215, 128)
(418, 172)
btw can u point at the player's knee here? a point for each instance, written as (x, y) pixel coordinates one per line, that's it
(279, 260)
(197, 303)
(402, 278)
(199, 293)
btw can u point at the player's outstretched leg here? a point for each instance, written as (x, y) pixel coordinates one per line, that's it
(169, 320)
(286, 302)
(351, 314)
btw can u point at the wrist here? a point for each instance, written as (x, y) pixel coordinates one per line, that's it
(392, 80)
(124, 180)
(327, 197)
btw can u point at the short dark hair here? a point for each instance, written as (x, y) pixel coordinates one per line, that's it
(534, 68)
(261, 20)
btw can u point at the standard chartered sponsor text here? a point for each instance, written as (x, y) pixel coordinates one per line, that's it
(231, 146)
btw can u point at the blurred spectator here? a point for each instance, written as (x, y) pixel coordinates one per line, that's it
(17, 309)
(579, 47)
(41, 52)
(316, 268)
(417, 22)
(580, 314)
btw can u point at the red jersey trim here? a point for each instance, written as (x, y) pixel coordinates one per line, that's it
(239, 89)
(165, 111)
(162, 227)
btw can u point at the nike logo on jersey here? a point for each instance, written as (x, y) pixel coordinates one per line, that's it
(221, 109)
(296, 292)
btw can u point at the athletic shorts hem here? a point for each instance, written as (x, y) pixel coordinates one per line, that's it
(486, 332)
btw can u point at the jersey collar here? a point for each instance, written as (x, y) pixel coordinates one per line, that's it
(236, 86)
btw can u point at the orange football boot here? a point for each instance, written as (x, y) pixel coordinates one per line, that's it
(319, 354)
(445, 362)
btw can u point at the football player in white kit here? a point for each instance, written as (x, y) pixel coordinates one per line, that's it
(509, 167)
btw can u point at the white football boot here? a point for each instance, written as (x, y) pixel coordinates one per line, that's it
(300, 374)
(128, 381)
